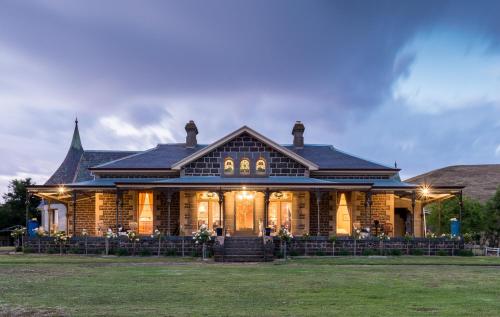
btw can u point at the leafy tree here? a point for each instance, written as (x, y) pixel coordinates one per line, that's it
(473, 215)
(493, 218)
(13, 210)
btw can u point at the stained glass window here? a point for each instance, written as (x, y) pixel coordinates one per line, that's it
(244, 167)
(228, 166)
(260, 166)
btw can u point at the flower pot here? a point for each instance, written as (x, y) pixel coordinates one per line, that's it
(268, 231)
(218, 231)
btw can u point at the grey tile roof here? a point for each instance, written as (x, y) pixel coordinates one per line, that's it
(75, 167)
(164, 155)
(328, 157)
(160, 157)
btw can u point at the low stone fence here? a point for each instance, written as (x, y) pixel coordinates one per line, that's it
(173, 245)
(300, 246)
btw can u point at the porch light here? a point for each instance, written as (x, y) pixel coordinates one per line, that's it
(61, 190)
(244, 195)
(425, 190)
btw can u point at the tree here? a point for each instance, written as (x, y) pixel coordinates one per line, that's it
(493, 218)
(13, 210)
(473, 215)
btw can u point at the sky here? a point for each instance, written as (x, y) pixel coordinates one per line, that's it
(412, 82)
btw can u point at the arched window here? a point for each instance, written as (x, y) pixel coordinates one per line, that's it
(260, 166)
(228, 166)
(245, 166)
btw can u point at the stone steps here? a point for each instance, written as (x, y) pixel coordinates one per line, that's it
(243, 249)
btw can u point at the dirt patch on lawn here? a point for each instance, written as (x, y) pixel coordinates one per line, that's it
(12, 311)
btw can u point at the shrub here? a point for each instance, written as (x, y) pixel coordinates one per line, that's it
(19, 249)
(395, 252)
(121, 252)
(145, 252)
(75, 250)
(29, 250)
(171, 252)
(342, 252)
(52, 251)
(368, 252)
(442, 253)
(465, 253)
(320, 253)
(294, 253)
(417, 252)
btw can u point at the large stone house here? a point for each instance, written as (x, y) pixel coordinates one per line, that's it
(243, 183)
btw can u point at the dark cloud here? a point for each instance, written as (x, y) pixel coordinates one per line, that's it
(154, 64)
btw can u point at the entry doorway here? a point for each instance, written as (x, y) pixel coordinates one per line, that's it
(244, 213)
(402, 222)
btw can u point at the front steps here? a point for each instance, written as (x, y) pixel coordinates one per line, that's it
(243, 249)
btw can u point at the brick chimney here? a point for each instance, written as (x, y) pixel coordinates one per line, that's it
(191, 132)
(298, 135)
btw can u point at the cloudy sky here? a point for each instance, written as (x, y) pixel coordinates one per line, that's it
(417, 82)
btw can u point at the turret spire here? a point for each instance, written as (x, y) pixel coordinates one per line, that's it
(76, 142)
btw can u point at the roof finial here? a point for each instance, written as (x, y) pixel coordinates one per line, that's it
(395, 164)
(75, 142)
(76, 120)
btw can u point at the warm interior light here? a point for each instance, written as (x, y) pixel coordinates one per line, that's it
(245, 195)
(61, 189)
(425, 190)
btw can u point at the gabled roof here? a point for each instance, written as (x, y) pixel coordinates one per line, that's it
(328, 157)
(310, 165)
(480, 181)
(160, 157)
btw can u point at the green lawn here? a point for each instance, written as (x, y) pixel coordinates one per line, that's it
(400, 286)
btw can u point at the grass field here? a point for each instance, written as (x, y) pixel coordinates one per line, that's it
(345, 286)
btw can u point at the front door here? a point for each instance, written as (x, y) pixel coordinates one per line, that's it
(244, 213)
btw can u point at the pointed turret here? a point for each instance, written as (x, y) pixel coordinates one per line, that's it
(66, 172)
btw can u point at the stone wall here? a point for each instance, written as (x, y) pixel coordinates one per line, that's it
(161, 212)
(244, 145)
(382, 209)
(348, 246)
(327, 221)
(178, 246)
(85, 215)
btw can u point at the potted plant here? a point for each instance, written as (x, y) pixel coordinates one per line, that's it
(60, 238)
(85, 235)
(157, 234)
(333, 239)
(306, 238)
(132, 237)
(40, 233)
(18, 234)
(109, 234)
(219, 231)
(202, 236)
(267, 231)
(285, 236)
(408, 238)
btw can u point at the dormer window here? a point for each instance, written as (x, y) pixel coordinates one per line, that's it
(228, 166)
(260, 166)
(245, 167)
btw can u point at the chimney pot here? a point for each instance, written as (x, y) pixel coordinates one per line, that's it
(191, 132)
(298, 135)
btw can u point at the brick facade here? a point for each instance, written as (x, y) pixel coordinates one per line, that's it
(247, 146)
(382, 209)
(325, 214)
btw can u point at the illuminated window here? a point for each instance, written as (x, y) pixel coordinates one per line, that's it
(228, 166)
(208, 210)
(280, 211)
(245, 166)
(343, 216)
(260, 166)
(146, 213)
